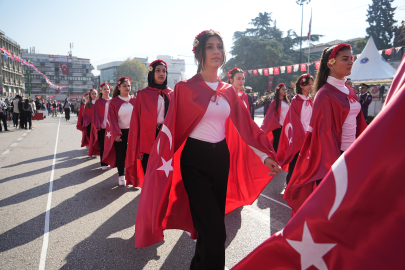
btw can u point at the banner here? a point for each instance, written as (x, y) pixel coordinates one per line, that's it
(388, 51)
(64, 68)
(282, 69)
(255, 72)
(260, 71)
(60, 58)
(303, 67)
(271, 70)
(270, 84)
(289, 69)
(266, 71)
(296, 67)
(276, 71)
(317, 64)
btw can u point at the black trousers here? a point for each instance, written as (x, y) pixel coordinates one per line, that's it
(3, 118)
(22, 119)
(121, 151)
(88, 131)
(145, 157)
(276, 135)
(101, 135)
(204, 169)
(291, 167)
(67, 114)
(15, 119)
(27, 118)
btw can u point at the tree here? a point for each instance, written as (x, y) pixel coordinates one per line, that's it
(359, 45)
(380, 16)
(133, 69)
(399, 40)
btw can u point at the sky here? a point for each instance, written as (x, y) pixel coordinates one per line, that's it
(106, 31)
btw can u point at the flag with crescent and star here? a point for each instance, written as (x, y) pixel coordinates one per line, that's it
(292, 134)
(355, 218)
(99, 108)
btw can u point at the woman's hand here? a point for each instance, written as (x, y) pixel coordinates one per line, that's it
(118, 139)
(140, 158)
(273, 166)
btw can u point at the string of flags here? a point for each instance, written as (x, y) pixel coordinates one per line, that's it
(299, 67)
(13, 57)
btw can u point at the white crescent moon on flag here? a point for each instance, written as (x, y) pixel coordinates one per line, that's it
(286, 129)
(340, 174)
(165, 130)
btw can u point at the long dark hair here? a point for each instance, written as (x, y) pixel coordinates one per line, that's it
(89, 104)
(233, 72)
(199, 53)
(64, 104)
(26, 104)
(298, 89)
(116, 91)
(277, 95)
(324, 70)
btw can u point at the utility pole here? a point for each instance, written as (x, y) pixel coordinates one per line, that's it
(301, 3)
(29, 80)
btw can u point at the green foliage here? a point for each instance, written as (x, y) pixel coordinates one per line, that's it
(265, 46)
(380, 16)
(359, 45)
(133, 69)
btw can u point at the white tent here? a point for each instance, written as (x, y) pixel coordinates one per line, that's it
(370, 66)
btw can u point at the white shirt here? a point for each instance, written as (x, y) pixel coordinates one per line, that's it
(125, 113)
(350, 124)
(104, 124)
(283, 111)
(240, 95)
(211, 127)
(306, 112)
(93, 101)
(161, 110)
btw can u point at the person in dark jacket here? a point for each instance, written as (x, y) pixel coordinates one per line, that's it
(251, 105)
(20, 109)
(365, 99)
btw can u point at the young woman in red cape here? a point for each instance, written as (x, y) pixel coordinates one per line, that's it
(253, 173)
(147, 119)
(88, 118)
(336, 122)
(295, 125)
(185, 185)
(275, 116)
(117, 128)
(80, 126)
(99, 123)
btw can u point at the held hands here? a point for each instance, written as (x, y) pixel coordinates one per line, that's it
(273, 166)
(118, 139)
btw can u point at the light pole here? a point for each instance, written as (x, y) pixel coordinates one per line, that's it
(301, 3)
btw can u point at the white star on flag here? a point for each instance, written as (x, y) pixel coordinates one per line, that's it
(290, 141)
(108, 134)
(311, 253)
(166, 167)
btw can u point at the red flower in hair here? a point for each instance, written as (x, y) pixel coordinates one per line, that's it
(158, 60)
(229, 72)
(304, 78)
(337, 49)
(280, 85)
(197, 38)
(86, 94)
(104, 83)
(119, 80)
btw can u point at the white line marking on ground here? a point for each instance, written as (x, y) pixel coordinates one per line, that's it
(25, 134)
(5, 152)
(14, 144)
(19, 139)
(274, 200)
(42, 261)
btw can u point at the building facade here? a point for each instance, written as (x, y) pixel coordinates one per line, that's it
(11, 72)
(176, 69)
(62, 70)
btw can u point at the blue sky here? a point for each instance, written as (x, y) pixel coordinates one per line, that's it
(107, 31)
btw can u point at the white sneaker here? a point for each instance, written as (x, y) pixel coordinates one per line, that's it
(104, 168)
(121, 180)
(93, 156)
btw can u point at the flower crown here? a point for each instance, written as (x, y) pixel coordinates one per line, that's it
(280, 85)
(119, 80)
(92, 90)
(331, 58)
(86, 94)
(229, 72)
(304, 78)
(197, 38)
(104, 83)
(150, 68)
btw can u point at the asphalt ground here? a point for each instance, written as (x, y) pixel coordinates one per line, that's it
(91, 218)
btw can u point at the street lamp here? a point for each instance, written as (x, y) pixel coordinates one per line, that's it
(301, 3)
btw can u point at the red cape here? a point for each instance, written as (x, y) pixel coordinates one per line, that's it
(245, 100)
(357, 209)
(321, 147)
(163, 203)
(97, 121)
(82, 128)
(272, 119)
(112, 130)
(87, 115)
(142, 132)
(293, 134)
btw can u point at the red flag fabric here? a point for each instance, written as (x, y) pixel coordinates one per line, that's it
(292, 134)
(353, 58)
(317, 64)
(270, 83)
(64, 68)
(246, 73)
(399, 80)
(255, 72)
(142, 133)
(244, 98)
(272, 119)
(388, 51)
(163, 203)
(322, 143)
(303, 67)
(309, 31)
(289, 69)
(112, 130)
(276, 70)
(81, 127)
(97, 121)
(266, 71)
(354, 212)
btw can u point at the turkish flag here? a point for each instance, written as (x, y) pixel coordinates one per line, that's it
(266, 71)
(64, 68)
(270, 84)
(304, 67)
(354, 219)
(276, 70)
(388, 51)
(255, 72)
(317, 64)
(246, 73)
(289, 69)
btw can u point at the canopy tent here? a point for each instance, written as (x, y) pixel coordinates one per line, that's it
(371, 66)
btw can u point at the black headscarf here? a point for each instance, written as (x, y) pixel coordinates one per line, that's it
(151, 76)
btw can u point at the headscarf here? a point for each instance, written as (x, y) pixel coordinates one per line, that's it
(151, 74)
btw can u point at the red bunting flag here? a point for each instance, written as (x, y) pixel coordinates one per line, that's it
(289, 69)
(303, 67)
(388, 51)
(246, 73)
(352, 58)
(266, 71)
(255, 72)
(317, 64)
(276, 70)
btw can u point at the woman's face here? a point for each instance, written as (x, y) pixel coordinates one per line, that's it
(343, 65)
(306, 89)
(93, 95)
(283, 91)
(86, 98)
(213, 52)
(105, 90)
(124, 88)
(160, 74)
(238, 81)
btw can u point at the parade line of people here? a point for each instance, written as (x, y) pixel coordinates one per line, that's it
(197, 153)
